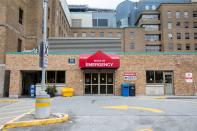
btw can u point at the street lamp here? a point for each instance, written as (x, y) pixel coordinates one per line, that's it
(42, 106)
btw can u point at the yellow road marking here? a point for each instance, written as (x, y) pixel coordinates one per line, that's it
(10, 109)
(8, 100)
(147, 129)
(11, 112)
(125, 107)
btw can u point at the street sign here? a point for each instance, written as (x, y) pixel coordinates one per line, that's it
(188, 77)
(43, 53)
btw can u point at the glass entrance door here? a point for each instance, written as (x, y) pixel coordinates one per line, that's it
(99, 83)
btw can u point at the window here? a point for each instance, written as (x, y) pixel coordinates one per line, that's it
(187, 47)
(48, 31)
(110, 34)
(20, 16)
(169, 25)
(101, 34)
(132, 46)
(186, 24)
(149, 17)
(194, 13)
(48, 13)
(151, 27)
(170, 46)
(169, 14)
(146, 7)
(75, 34)
(178, 24)
(94, 22)
(76, 22)
(19, 45)
(55, 76)
(178, 35)
(154, 77)
(186, 14)
(153, 7)
(195, 25)
(178, 15)
(92, 34)
(60, 77)
(195, 35)
(150, 77)
(152, 37)
(186, 35)
(84, 34)
(102, 22)
(119, 35)
(170, 37)
(195, 46)
(179, 47)
(132, 35)
(153, 48)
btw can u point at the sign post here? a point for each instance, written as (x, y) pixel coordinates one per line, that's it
(42, 104)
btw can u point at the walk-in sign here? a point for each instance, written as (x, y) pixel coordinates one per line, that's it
(188, 77)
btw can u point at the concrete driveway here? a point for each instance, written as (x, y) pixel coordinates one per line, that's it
(116, 113)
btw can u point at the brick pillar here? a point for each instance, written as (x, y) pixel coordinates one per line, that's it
(15, 83)
(2, 77)
(74, 79)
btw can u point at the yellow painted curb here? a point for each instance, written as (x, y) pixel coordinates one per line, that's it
(35, 122)
(8, 100)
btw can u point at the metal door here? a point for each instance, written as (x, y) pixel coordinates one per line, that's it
(168, 83)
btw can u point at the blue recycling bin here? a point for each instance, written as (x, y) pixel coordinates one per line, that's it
(32, 91)
(125, 89)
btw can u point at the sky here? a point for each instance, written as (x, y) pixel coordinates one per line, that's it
(111, 4)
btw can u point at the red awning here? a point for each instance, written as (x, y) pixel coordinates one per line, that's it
(99, 60)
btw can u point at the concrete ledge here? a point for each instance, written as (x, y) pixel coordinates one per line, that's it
(181, 97)
(60, 119)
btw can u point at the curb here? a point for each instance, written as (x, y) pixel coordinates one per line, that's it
(8, 100)
(62, 118)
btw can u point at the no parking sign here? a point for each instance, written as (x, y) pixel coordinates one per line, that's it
(188, 77)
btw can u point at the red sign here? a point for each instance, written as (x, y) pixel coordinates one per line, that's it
(99, 60)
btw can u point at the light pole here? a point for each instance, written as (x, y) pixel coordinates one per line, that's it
(42, 105)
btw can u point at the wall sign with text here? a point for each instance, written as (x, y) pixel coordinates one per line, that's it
(130, 76)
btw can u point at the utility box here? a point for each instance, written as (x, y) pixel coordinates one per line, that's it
(67, 92)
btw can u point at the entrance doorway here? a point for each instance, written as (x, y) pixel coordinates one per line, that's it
(168, 83)
(99, 83)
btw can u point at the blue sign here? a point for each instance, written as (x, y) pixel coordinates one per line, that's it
(71, 61)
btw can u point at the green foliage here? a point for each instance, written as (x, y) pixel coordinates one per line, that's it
(51, 90)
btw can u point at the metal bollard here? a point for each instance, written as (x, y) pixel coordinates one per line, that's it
(42, 105)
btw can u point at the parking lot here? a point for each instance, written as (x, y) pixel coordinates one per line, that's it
(116, 113)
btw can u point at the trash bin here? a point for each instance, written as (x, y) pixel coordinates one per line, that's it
(125, 89)
(132, 89)
(32, 91)
(67, 92)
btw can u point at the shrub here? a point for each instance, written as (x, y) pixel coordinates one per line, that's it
(51, 90)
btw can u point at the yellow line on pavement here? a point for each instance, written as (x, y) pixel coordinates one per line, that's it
(125, 107)
(8, 100)
(10, 109)
(146, 109)
(147, 129)
(18, 117)
(11, 112)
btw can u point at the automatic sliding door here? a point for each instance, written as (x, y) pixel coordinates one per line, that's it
(103, 82)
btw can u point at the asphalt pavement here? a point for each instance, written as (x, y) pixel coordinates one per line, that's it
(11, 109)
(116, 113)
